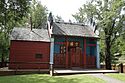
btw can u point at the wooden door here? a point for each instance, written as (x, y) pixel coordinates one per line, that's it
(75, 55)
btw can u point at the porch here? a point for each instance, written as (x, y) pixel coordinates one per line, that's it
(82, 71)
(5, 71)
(70, 51)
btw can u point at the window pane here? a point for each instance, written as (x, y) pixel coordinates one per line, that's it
(38, 56)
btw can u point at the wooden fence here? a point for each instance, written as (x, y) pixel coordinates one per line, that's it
(115, 67)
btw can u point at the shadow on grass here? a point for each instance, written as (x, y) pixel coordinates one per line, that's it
(44, 78)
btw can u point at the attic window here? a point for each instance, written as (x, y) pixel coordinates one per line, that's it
(38, 56)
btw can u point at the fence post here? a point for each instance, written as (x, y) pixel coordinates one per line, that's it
(121, 66)
(16, 69)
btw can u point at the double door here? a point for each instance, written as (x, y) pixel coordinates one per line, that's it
(75, 56)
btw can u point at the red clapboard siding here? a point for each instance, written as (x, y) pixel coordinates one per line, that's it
(24, 51)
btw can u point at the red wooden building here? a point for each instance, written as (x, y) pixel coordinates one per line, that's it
(73, 45)
(29, 48)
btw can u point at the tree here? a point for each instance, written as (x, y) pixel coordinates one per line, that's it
(58, 19)
(106, 16)
(119, 45)
(80, 16)
(38, 14)
(11, 13)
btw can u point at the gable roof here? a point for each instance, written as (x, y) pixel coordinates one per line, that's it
(27, 34)
(72, 29)
(59, 28)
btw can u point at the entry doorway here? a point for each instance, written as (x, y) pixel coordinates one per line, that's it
(75, 56)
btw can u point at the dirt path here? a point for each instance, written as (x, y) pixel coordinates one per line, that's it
(107, 78)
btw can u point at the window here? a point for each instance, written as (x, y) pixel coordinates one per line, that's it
(74, 44)
(71, 43)
(38, 56)
(62, 49)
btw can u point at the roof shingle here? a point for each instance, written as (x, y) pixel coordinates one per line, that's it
(59, 28)
(73, 29)
(27, 34)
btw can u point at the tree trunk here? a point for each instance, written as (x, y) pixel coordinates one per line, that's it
(2, 60)
(107, 53)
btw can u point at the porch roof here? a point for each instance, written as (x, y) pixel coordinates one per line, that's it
(73, 29)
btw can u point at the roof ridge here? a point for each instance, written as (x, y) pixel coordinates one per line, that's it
(81, 24)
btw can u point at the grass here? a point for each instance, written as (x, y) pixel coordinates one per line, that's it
(44, 78)
(119, 76)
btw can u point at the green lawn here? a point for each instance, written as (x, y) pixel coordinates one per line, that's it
(44, 78)
(119, 76)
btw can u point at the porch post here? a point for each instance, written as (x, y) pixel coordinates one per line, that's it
(51, 56)
(84, 56)
(97, 55)
(67, 52)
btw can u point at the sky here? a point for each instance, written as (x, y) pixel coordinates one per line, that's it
(63, 8)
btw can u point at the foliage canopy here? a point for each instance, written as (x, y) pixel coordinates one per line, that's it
(107, 16)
